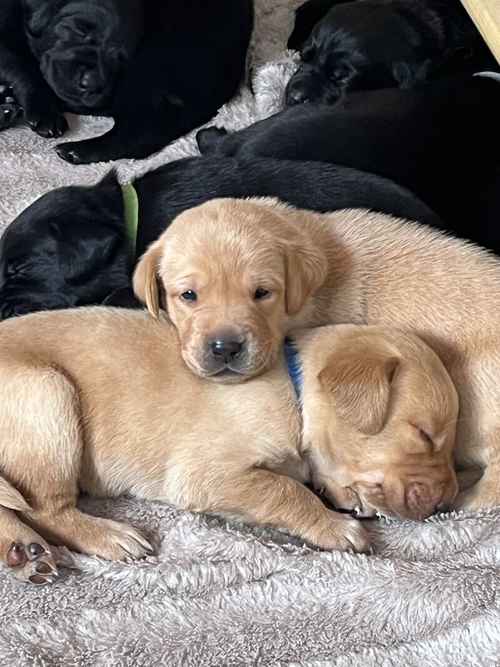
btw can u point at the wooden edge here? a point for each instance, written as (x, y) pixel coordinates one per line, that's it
(486, 16)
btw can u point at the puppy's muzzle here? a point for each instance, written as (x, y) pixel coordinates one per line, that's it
(224, 352)
(309, 84)
(422, 500)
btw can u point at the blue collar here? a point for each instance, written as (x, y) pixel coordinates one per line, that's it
(294, 366)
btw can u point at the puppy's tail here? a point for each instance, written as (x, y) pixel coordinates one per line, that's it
(11, 498)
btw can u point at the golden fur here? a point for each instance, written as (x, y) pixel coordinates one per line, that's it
(348, 266)
(100, 400)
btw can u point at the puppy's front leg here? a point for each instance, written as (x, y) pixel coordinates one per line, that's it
(136, 137)
(264, 497)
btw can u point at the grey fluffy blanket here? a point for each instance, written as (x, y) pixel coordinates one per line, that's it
(225, 594)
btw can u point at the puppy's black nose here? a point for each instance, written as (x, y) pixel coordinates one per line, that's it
(90, 81)
(228, 349)
(86, 80)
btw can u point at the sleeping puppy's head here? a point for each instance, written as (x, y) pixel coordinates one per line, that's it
(67, 249)
(231, 272)
(81, 47)
(380, 415)
(359, 46)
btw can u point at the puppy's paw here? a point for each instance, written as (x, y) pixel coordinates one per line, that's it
(80, 152)
(69, 152)
(9, 114)
(31, 562)
(118, 541)
(10, 110)
(48, 124)
(342, 533)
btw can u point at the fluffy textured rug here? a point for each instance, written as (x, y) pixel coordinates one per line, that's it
(221, 594)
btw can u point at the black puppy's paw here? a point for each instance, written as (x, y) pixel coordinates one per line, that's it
(78, 152)
(9, 114)
(10, 110)
(47, 124)
(68, 152)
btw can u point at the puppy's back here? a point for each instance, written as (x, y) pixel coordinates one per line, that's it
(416, 276)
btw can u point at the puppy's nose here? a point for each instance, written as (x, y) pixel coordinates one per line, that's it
(422, 499)
(86, 80)
(226, 348)
(89, 80)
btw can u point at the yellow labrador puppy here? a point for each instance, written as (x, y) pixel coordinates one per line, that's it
(237, 275)
(100, 400)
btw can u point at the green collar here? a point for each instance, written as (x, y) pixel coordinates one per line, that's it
(131, 213)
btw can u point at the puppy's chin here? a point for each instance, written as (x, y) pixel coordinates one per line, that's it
(79, 101)
(225, 374)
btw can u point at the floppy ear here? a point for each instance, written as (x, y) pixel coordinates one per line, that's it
(145, 280)
(306, 271)
(361, 386)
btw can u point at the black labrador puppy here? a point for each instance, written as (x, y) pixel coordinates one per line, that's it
(159, 67)
(369, 44)
(71, 247)
(440, 141)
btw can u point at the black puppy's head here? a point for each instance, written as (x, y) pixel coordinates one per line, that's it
(82, 45)
(357, 46)
(67, 249)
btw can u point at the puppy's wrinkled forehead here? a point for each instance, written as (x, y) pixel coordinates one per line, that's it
(223, 238)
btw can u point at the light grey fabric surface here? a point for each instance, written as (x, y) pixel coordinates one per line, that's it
(219, 594)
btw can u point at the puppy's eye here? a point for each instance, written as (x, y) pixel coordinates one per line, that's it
(261, 293)
(189, 295)
(340, 74)
(425, 436)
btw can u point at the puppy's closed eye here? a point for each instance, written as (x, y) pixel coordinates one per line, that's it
(426, 440)
(341, 73)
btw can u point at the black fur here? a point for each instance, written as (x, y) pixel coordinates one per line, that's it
(10, 110)
(69, 248)
(370, 44)
(158, 67)
(440, 141)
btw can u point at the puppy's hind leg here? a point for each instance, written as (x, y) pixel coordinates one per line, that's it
(41, 454)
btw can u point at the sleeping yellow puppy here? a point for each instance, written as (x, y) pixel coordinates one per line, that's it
(100, 400)
(237, 275)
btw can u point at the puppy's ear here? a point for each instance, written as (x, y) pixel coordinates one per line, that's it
(145, 280)
(306, 271)
(360, 383)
